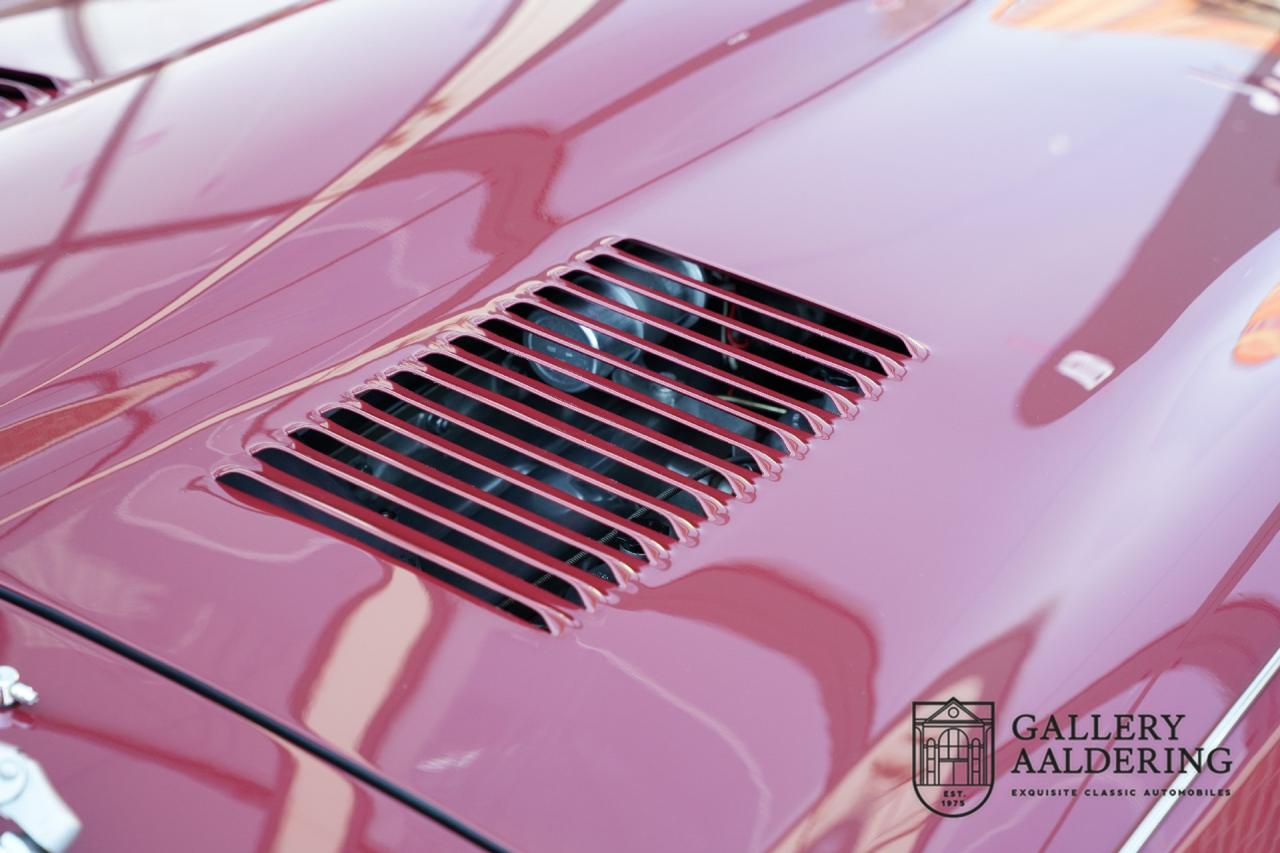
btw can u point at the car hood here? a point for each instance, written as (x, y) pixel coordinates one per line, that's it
(1068, 508)
(136, 762)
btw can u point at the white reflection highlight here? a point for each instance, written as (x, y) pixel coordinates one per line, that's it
(1086, 369)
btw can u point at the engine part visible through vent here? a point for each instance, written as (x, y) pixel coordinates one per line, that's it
(545, 448)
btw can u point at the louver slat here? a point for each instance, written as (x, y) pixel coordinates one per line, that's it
(818, 420)
(22, 94)
(868, 380)
(678, 518)
(767, 458)
(739, 477)
(656, 544)
(904, 346)
(792, 439)
(622, 566)
(711, 501)
(426, 554)
(546, 448)
(22, 91)
(588, 587)
(844, 401)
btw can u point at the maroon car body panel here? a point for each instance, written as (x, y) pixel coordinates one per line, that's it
(210, 247)
(147, 765)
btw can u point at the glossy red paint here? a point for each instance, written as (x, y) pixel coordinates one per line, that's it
(201, 260)
(147, 765)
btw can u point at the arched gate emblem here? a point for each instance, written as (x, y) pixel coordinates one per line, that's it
(953, 755)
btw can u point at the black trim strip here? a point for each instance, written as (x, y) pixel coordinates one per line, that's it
(252, 714)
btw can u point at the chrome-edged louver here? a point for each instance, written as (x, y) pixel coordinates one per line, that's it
(543, 449)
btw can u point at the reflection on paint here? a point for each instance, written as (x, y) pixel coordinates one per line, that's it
(1086, 369)
(532, 26)
(364, 662)
(1248, 22)
(317, 808)
(883, 777)
(1260, 340)
(33, 434)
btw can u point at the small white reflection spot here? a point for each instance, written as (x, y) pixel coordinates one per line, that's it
(1085, 369)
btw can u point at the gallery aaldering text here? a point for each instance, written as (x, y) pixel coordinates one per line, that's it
(1110, 752)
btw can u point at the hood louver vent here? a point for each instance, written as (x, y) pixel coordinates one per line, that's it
(544, 449)
(21, 91)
